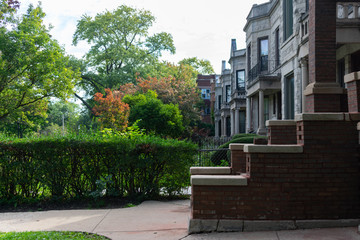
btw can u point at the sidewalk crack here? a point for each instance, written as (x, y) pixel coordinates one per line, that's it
(93, 231)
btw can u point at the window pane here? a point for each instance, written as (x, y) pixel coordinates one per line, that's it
(264, 47)
(240, 79)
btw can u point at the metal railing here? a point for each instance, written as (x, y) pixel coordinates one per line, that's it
(262, 68)
(209, 154)
(213, 158)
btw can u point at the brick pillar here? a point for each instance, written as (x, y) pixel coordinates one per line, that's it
(238, 158)
(353, 85)
(323, 94)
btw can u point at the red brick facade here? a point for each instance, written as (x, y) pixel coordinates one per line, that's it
(323, 182)
(282, 135)
(354, 96)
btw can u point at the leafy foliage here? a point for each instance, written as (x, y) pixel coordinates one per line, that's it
(33, 67)
(113, 113)
(120, 45)
(69, 167)
(153, 115)
(223, 155)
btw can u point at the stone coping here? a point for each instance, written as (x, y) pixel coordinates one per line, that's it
(238, 146)
(327, 117)
(270, 123)
(273, 148)
(239, 225)
(358, 126)
(210, 170)
(354, 76)
(324, 88)
(218, 180)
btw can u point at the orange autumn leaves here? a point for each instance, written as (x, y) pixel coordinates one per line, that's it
(111, 111)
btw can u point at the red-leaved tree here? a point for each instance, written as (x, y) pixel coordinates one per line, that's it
(111, 111)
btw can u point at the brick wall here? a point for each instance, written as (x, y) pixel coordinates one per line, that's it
(323, 103)
(282, 135)
(323, 182)
(353, 88)
(238, 161)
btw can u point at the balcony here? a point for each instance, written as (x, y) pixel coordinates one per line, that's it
(347, 12)
(261, 69)
(225, 106)
(347, 22)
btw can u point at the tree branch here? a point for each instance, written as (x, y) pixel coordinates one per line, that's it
(84, 102)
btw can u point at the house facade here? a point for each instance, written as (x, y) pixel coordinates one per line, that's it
(230, 95)
(277, 40)
(205, 84)
(308, 173)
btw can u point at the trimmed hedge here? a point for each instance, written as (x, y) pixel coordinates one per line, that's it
(224, 155)
(74, 167)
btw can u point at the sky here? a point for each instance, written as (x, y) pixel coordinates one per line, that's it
(200, 28)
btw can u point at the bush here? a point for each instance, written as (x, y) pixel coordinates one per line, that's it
(71, 167)
(221, 156)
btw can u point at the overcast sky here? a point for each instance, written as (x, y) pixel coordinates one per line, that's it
(200, 28)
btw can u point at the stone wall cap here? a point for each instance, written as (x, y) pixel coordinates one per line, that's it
(273, 149)
(270, 123)
(237, 146)
(352, 117)
(210, 170)
(218, 180)
(358, 126)
(352, 77)
(320, 117)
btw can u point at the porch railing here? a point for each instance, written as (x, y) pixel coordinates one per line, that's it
(265, 67)
(347, 11)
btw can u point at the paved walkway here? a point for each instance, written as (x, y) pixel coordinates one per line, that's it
(150, 220)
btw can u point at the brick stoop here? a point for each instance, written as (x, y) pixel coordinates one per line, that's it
(316, 180)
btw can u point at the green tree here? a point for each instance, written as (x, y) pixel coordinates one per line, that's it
(120, 47)
(155, 116)
(62, 112)
(33, 67)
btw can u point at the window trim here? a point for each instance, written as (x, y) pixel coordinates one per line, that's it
(237, 79)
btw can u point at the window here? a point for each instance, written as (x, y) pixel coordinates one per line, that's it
(288, 18)
(228, 127)
(289, 96)
(277, 47)
(228, 93)
(207, 111)
(307, 5)
(263, 54)
(341, 72)
(205, 93)
(219, 101)
(240, 79)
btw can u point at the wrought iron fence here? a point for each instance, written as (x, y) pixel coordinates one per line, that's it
(264, 67)
(213, 158)
(209, 153)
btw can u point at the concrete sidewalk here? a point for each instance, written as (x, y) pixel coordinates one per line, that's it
(149, 220)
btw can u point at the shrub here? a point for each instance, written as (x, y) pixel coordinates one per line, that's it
(68, 167)
(221, 156)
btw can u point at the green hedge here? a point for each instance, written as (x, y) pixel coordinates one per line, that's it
(224, 155)
(75, 167)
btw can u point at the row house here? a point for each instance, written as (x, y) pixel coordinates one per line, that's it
(303, 91)
(206, 83)
(230, 95)
(277, 41)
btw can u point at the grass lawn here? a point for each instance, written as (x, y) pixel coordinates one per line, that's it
(51, 235)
